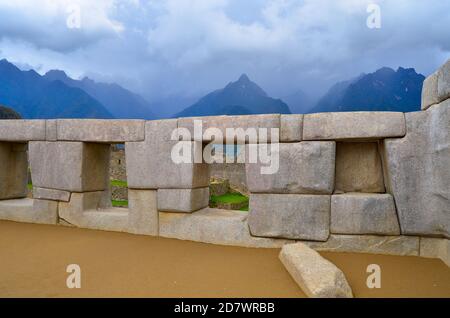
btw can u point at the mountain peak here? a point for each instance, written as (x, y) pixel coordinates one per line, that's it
(8, 65)
(243, 78)
(383, 90)
(56, 75)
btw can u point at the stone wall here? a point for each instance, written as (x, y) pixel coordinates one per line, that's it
(356, 181)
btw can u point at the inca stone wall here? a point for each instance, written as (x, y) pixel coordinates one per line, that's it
(357, 181)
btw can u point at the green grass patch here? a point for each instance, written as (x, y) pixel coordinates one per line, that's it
(246, 208)
(119, 204)
(119, 184)
(229, 198)
(30, 186)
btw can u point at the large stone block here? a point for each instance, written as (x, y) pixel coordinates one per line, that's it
(418, 172)
(290, 216)
(430, 91)
(214, 226)
(143, 218)
(22, 130)
(72, 211)
(372, 244)
(29, 211)
(353, 125)
(150, 164)
(364, 214)
(435, 248)
(316, 276)
(13, 171)
(291, 128)
(305, 167)
(358, 167)
(70, 166)
(111, 219)
(221, 123)
(98, 130)
(87, 210)
(444, 81)
(51, 130)
(51, 194)
(182, 200)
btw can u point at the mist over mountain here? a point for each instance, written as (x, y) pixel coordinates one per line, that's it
(383, 90)
(34, 96)
(240, 97)
(120, 102)
(299, 102)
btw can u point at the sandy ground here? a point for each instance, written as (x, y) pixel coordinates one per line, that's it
(33, 261)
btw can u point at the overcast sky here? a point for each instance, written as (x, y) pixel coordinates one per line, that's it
(189, 47)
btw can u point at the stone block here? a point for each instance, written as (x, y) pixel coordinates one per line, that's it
(70, 166)
(72, 211)
(111, 219)
(430, 91)
(291, 128)
(51, 194)
(150, 164)
(371, 244)
(353, 125)
(14, 170)
(418, 173)
(144, 217)
(182, 200)
(51, 130)
(444, 81)
(364, 214)
(358, 167)
(22, 130)
(87, 210)
(316, 276)
(435, 248)
(29, 211)
(221, 123)
(290, 216)
(213, 226)
(306, 167)
(100, 130)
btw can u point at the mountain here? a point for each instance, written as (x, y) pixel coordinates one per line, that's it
(8, 113)
(299, 102)
(237, 98)
(383, 90)
(34, 96)
(120, 102)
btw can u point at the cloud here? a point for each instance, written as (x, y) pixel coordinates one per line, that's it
(49, 24)
(189, 47)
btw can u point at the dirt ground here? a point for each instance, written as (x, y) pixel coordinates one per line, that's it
(34, 258)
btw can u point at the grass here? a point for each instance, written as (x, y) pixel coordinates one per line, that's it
(230, 198)
(119, 184)
(119, 204)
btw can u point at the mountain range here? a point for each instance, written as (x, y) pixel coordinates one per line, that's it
(120, 102)
(56, 95)
(242, 97)
(383, 90)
